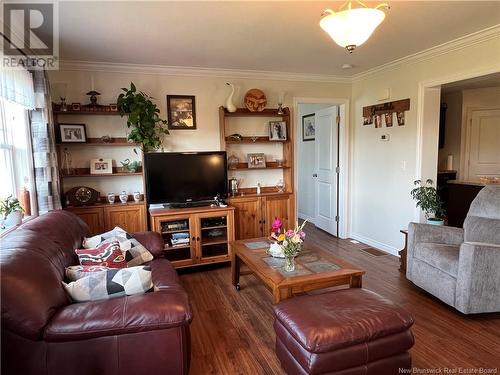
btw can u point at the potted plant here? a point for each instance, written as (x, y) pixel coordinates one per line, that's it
(427, 198)
(147, 128)
(11, 211)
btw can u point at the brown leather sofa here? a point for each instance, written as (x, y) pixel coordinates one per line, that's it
(44, 333)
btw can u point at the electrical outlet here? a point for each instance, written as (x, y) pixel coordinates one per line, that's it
(385, 137)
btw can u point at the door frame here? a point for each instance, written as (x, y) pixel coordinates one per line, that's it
(425, 163)
(343, 190)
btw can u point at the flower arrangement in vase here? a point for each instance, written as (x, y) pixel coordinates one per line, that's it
(287, 243)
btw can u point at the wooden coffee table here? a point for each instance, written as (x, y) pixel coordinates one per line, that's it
(315, 269)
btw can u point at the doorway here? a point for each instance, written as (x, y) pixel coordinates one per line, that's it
(321, 167)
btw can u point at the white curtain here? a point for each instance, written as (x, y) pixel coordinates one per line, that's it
(16, 85)
(47, 183)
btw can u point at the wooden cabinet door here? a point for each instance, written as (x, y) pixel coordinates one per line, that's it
(93, 217)
(132, 218)
(247, 217)
(281, 206)
(214, 232)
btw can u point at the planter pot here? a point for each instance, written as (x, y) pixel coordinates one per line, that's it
(14, 218)
(435, 221)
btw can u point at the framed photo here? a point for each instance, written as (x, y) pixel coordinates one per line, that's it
(388, 119)
(181, 112)
(113, 107)
(378, 121)
(257, 160)
(401, 118)
(72, 133)
(368, 120)
(277, 130)
(75, 106)
(308, 127)
(101, 166)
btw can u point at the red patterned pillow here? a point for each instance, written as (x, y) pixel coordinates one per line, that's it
(107, 255)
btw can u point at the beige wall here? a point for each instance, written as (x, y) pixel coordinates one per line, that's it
(210, 93)
(382, 173)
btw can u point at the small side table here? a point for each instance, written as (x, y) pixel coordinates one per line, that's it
(402, 253)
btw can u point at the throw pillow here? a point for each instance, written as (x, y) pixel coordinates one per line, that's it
(107, 254)
(135, 253)
(111, 283)
(74, 273)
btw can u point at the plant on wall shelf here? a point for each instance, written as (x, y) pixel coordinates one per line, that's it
(428, 200)
(147, 128)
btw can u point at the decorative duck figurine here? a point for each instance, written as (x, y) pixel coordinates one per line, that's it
(229, 101)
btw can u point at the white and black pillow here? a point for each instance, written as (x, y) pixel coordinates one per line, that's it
(135, 253)
(110, 283)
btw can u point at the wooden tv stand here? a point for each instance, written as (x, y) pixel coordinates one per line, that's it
(208, 231)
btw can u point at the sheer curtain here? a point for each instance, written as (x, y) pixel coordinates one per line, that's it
(44, 148)
(16, 85)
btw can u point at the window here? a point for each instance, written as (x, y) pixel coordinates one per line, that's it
(16, 163)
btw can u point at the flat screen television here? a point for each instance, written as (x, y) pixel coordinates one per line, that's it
(185, 177)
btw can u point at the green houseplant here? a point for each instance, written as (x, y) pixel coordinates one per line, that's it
(147, 128)
(427, 198)
(11, 211)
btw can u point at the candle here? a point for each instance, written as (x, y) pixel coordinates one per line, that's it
(91, 82)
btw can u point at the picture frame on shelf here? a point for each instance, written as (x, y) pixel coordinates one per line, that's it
(101, 166)
(256, 160)
(181, 112)
(113, 107)
(277, 130)
(72, 133)
(309, 127)
(76, 106)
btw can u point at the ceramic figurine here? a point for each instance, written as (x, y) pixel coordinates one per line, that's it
(229, 101)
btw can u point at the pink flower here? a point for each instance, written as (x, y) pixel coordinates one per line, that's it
(302, 235)
(289, 233)
(276, 227)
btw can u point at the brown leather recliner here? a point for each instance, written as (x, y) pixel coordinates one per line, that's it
(44, 333)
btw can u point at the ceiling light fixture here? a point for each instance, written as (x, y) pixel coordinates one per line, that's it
(350, 27)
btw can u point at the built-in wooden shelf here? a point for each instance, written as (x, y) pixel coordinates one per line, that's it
(99, 142)
(101, 113)
(85, 172)
(268, 112)
(175, 231)
(169, 247)
(216, 227)
(213, 242)
(247, 140)
(269, 165)
(106, 204)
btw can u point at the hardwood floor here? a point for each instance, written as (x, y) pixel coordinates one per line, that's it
(232, 332)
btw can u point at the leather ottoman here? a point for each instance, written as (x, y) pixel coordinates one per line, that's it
(345, 332)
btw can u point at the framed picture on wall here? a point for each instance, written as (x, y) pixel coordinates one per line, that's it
(72, 133)
(181, 112)
(101, 166)
(308, 127)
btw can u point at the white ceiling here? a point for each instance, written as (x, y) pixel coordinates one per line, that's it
(490, 80)
(282, 36)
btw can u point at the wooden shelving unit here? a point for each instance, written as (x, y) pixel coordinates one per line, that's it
(255, 212)
(102, 216)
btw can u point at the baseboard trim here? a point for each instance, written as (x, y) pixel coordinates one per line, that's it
(374, 243)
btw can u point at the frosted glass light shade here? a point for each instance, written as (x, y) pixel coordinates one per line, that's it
(352, 27)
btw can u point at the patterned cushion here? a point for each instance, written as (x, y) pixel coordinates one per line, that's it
(135, 253)
(74, 273)
(111, 283)
(107, 254)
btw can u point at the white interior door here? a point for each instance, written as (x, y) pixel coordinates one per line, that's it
(484, 146)
(326, 175)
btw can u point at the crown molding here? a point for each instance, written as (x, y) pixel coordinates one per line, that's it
(481, 36)
(95, 66)
(477, 37)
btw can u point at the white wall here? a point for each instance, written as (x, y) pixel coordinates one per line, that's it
(453, 130)
(306, 152)
(382, 172)
(210, 93)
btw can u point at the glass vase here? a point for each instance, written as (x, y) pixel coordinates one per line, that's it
(289, 263)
